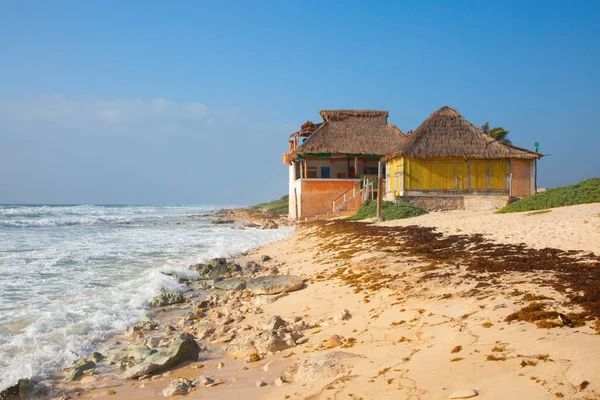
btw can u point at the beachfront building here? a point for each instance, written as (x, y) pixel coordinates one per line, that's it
(332, 164)
(449, 163)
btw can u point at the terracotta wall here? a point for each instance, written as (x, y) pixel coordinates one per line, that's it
(317, 195)
(522, 184)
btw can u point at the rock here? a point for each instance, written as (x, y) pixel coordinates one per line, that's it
(231, 284)
(336, 363)
(251, 268)
(180, 386)
(215, 268)
(184, 348)
(302, 340)
(96, 357)
(342, 316)
(167, 298)
(267, 299)
(274, 323)
(222, 221)
(220, 365)
(271, 343)
(78, 371)
(264, 258)
(280, 380)
(260, 383)
(145, 326)
(270, 224)
(274, 284)
(463, 394)
(203, 381)
(244, 368)
(25, 389)
(135, 353)
(251, 225)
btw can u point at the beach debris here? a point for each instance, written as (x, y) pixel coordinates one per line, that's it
(565, 320)
(184, 348)
(463, 394)
(260, 383)
(167, 298)
(274, 284)
(328, 365)
(177, 387)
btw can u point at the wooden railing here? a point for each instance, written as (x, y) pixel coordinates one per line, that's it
(364, 187)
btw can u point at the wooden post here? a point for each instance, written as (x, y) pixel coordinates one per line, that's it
(305, 169)
(355, 167)
(379, 172)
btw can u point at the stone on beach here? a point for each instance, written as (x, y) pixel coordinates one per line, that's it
(79, 370)
(463, 394)
(167, 298)
(274, 284)
(181, 349)
(180, 386)
(270, 224)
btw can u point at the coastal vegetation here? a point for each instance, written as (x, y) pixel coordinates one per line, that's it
(389, 211)
(279, 206)
(584, 192)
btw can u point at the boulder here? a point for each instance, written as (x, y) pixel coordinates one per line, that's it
(251, 268)
(167, 298)
(231, 284)
(184, 348)
(215, 268)
(330, 365)
(274, 284)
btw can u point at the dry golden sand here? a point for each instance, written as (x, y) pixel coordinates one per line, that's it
(424, 329)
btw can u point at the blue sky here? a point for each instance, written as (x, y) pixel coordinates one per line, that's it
(192, 102)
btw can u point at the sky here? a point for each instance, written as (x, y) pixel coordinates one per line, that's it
(192, 102)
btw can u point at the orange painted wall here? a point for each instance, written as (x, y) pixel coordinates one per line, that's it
(317, 195)
(521, 177)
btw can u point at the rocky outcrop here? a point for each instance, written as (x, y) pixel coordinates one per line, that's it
(270, 224)
(25, 389)
(184, 348)
(274, 284)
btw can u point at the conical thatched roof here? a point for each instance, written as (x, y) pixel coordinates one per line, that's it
(352, 132)
(447, 134)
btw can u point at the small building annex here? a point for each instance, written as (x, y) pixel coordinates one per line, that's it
(449, 163)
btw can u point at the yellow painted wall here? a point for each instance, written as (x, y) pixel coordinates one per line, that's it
(454, 174)
(395, 169)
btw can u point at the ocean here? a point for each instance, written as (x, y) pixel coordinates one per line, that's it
(73, 275)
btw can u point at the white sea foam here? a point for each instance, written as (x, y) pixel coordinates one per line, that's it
(66, 288)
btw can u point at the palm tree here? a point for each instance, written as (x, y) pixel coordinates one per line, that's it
(498, 133)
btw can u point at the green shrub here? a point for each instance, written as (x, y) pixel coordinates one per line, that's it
(389, 210)
(584, 192)
(279, 206)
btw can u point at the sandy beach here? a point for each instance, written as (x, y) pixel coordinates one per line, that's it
(396, 310)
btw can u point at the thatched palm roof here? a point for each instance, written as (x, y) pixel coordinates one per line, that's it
(447, 134)
(351, 132)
